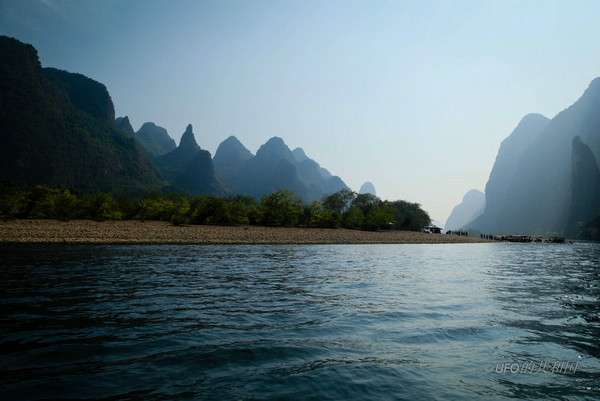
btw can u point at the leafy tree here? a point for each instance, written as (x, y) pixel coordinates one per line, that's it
(309, 212)
(38, 202)
(216, 209)
(353, 218)
(408, 216)
(327, 218)
(127, 204)
(199, 210)
(155, 209)
(365, 202)
(281, 208)
(338, 201)
(102, 206)
(63, 205)
(378, 217)
(180, 213)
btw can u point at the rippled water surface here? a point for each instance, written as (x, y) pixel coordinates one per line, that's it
(360, 322)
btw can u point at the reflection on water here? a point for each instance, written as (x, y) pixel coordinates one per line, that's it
(301, 322)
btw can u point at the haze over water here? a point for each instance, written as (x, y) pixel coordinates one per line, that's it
(300, 322)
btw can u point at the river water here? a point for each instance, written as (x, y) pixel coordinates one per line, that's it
(308, 322)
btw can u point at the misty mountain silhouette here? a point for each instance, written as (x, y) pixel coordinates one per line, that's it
(274, 167)
(472, 205)
(367, 188)
(190, 168)
(585, 187)
(530, 187)
(154, 139)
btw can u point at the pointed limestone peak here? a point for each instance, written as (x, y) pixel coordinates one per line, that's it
(234, 143)
(147, 126)
(299, 154)
(367, 188)
(232, 147)
(124, 125)
(155, 139)
(188, 141)
(275, 149)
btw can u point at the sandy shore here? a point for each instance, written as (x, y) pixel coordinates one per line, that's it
(155, 232)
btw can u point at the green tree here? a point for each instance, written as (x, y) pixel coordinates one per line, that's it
(365, 202)
(378, 217)
(309, 212)
(339, 201)
(180, 213)
(327, 218)
(281, 208)
(38, 202)
(353, 218)
(408, 216)
(63, 205)
(155, 209)
(102, 206)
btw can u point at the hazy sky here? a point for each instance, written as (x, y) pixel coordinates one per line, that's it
(415, 96)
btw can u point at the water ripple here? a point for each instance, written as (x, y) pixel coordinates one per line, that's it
(297, 322)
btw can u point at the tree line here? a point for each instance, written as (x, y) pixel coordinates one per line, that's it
(281, 208)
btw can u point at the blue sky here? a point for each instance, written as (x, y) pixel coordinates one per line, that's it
(415, 96)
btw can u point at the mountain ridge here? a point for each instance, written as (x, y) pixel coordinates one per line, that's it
(536, 198)
(57, 128)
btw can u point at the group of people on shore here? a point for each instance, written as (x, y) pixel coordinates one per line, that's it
(457, 232)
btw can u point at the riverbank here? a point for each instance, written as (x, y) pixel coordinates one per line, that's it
(158, 232)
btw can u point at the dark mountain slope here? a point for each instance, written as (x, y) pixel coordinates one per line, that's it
(58, 129)
(124, 125)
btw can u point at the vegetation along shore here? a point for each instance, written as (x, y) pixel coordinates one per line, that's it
(44, 214)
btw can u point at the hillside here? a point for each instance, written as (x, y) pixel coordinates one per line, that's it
(57, 128)
(274, 167)
(190, 168)
(530, 190)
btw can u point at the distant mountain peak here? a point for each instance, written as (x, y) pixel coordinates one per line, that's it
(276, 139)
(188, 140)
(155, 139)
(275, 149)
(147, 125)
(125, 126)
(299, 154)
(230, 147)
(232, 143)
(471, 207)
(368, 188)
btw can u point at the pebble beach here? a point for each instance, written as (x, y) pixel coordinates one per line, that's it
(159, 232)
